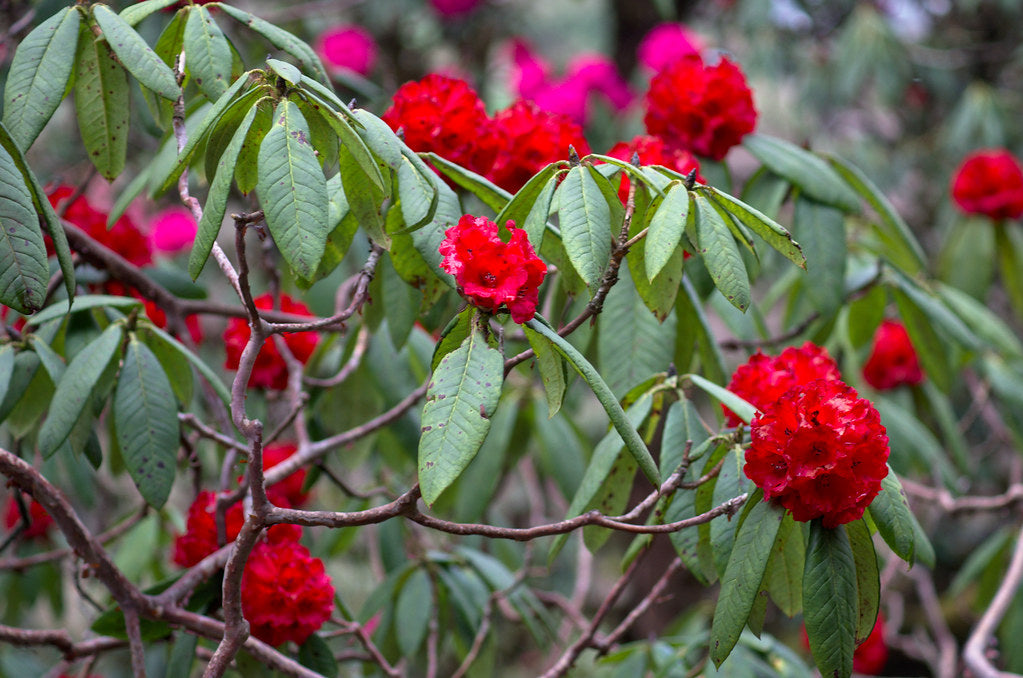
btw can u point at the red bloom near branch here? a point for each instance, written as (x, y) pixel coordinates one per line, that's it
(653, 151)
(490, 272)
(200, 537)
(990, 182)
(124, 237)
(531, 139)
(821, 451)
(286, 594)
(39, 521)
(893, 362)
(763, 379)
(699, 108)
(270, 371)
(287, 492)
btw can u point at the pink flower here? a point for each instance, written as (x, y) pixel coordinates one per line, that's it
(665, 43)
(347, 48)
(454, 7)
(173, 230)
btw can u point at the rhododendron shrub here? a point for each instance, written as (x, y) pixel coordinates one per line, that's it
(990, 183)
(39, 521)
(270, 370)
(893, 361)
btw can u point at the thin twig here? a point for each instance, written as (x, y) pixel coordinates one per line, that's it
(975, 651)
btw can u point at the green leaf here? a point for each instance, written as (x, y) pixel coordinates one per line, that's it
(773, 233)
(83, 302)
(182, 655)
(741, 581)
(281, 39)
(900, 246)
(868, 578)
(23, 269)
(211, 377)
(988, 326)
(784, 577)
(314, 654)
(829, 599)
(101, 102)
(417, 194)
(1009, 245)
(633, 442)
(7, 355)
(285, 70)
(293, 191)
(804, 169)
(39, 75)
(531, 206)
(461, 398)
(721, 255)
(932, 351)
(75, 388)
(585, 224)
(731, 482)
(742, 409)
(691, 316)
(414, 607)
(365, 200)
(246, 172)
(865, 316)
(611, 499)
(216, 199)
(135, 55)
(356, 147)
(938, 314)
(897, 525)
(492, 195)
(146, 419)
(552, 370)
(207, 53)
(22, 370)
(132, 14)
(427, 240)
(821, 230)
(666, 227)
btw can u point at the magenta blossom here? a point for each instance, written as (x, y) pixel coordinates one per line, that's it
(347, 48)
(173, 230)
(666, 43)
(454, 7)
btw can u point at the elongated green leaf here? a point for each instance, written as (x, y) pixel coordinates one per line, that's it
(83, 302)
(633, 442)
(939, 314)
(731, 482)
(135, 55)
(897, 525)
(492, 195)
(293, 191)
(585, 224)
(146, 420)
(207, 53)
(23, 268)
(821, 230)
(216, 199)
(281, 39)
(315, 654)
(427, 240)
(932, 351)
(173, 364)
(982, 320)
(743, 574)
(804, 169)
(418, 196)
(742, 408)
(530, 207)
(689, 309)
(22, 370)
(75, 388)
(865, 315)
(773, 233)
(1009, 245)
(132, 14)
(900, 246)
(101, 101)
(462, 397)
(6, 369)
(721, 255)
(552, 370)
(38, 76)
(356, 147)
(246, 173)
(868, 578)
(414, 607)
(829, 599)
(784, 577)
(203, 368)
(666, 227)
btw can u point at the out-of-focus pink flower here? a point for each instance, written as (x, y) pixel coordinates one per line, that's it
(454, 7)
(347, 47)
(666, 43)
(173, 230)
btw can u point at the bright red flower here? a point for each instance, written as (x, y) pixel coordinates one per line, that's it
(124, 237)
(990, 182)
(349, 48)
(652, 151)
(763, 379)
(491, 273)
(893, 361)
(821, 451)
(154, 312)
(200, 537)
(270, 371)
(39, 520)
(531, 139)
(699, 108)
(286, 593)
(287, 492)
(445, 116)
(665, 43)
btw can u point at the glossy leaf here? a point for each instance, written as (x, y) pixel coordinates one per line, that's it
(281, 39)
(414, 607)
(868, 578)
(585, 224)
(742, 408)
(315, 654)
(829, 600)
(39, 75)
(530, 207)
(492, 195)
(897, 525)
(132, 14)
(773, 233)
(821, 230)
(23, 269)
(804, 169)
(207, 53)
(135, 55)
(101, 102)
(552, 370)
(721, 255)
(666, 227)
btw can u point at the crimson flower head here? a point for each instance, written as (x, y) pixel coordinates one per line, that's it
(763, 379)
(653, 151)
(700, 108)
(893, 361)
(445, 116)
(287, 492)
(124, 237)
(286, 593)
(531, 139)
(200, 537)
(490, 272)
(270, 371)
(39, 521)
(153, 311)
(821, 451)
(990, 182)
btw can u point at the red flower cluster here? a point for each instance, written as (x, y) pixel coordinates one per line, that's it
(821, 451)
(700, 108)
(287, 492)
(286, 593)
(270, 371)
(491, 273)
(445, 116)
(893, 361)
(763, 379)
(39, 520)
(653, 151)
(153, 312)
(124, 237)
(990, 182)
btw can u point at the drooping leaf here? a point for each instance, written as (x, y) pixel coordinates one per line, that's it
(83, 302)
(101, 102)
(22, 370)
(731, 482)
(315, 654)
(552, 370)
(530, 207)
(132, 14)
(281, 39)
(829, 599)
(207, 53)
(135, 55)
(418, 196)
(739, 406)
(1009, 245)
(585, 224)
(930, 349)
(721, 255)
(865, 315)
(784, 577)
(414, 607)
(353, 143)
(897, 525)
(428, 238)
(689, 309)
(23, 269)
(211, 376)
(666, 227)
(246, 172)
(821, 230)
(773, 233)
(868, 578)
(365, 200)
(39, 75)
(492, 195)
(804, 169)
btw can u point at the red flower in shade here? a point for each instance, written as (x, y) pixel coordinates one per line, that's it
(153, 312)
(286, 594)
(531, 139)
(124, 237)
(821, 451)
(652, 151)
(445, 116)
(893, 361)
(700, 108)
(200, 537)
(491, 273)
(270, 371)
(763, 379)
(287, 492)
(348, 48)
(990, 182)
(39, 521)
